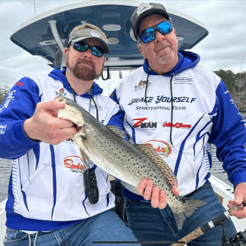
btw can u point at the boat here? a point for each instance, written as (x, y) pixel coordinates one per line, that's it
(46, 35)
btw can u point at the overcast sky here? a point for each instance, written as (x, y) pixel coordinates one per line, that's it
(224, 47)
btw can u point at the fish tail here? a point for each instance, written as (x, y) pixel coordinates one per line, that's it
(187, 209)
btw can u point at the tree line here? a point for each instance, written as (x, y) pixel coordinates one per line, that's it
(4, 89)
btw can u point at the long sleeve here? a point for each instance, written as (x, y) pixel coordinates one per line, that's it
(18, 106)
(229, 136)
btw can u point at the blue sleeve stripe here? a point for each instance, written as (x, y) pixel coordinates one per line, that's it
(182, 148)
(114, 96)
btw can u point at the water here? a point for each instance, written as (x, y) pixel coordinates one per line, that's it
(5, 166)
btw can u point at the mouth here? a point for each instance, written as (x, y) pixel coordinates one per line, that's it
(161, 48)
(86, 62)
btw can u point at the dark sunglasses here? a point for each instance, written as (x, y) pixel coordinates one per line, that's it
(83, 47)
(149, 34)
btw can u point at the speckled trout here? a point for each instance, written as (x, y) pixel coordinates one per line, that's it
(105, 146)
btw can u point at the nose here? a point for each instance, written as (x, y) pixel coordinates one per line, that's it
(159, 36)
(87, 53)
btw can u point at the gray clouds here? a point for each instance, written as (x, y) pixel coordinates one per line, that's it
(224, 47)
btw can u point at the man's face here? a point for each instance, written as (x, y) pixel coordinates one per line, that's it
(84, 65)
(163, 49)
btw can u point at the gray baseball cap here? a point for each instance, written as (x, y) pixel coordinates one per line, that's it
(86, 33)
(144, 10)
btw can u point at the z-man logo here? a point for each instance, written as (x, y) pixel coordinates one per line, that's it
(161, 147)
(140, 123)
(75, 163)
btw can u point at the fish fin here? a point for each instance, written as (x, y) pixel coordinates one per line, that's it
(151, 153)
(188, 208)
(117, 131)
(86, 159)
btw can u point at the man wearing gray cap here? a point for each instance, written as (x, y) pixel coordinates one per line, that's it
(50, 202)
(190, 108)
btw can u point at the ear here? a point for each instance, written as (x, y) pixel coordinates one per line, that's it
(140, 48)
(66, 50)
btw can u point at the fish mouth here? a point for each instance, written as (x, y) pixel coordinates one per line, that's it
(78, 128)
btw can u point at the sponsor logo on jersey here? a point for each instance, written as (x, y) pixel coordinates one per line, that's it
(162, 98)
(10, 97)
(183, 80)
(161, 147)
(20, 83)
(61, 92)
(176, 125)
(142, 123)
(141, 85)
(2, 129)
(75, 164)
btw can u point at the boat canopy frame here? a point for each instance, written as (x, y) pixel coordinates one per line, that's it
(46, 35)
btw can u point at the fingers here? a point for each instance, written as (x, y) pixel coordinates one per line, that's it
(240, 193)
(51, 105)
(163, 201)
(240, 214)
(46, 127)
(174, 190)
(63, 130)
(147, 189)
(240, 197)
(141, 187)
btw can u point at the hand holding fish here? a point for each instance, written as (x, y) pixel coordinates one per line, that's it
(46, 127)
(148, 190)
(240, 197)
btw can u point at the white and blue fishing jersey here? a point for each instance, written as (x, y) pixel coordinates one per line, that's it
(46, 188)
(181, 114)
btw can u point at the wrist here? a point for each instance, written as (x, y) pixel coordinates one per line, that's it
(27, 127)
(239, 184)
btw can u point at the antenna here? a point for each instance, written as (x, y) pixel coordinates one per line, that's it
(34, 5)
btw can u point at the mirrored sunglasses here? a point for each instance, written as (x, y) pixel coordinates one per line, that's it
(83, 47)
(149, 34)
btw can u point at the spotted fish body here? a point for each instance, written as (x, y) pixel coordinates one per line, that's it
(128, 162)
